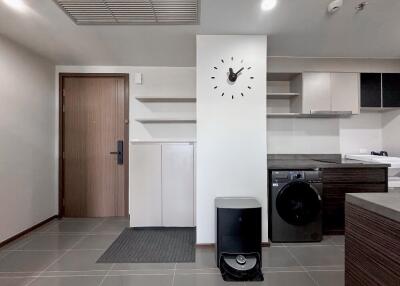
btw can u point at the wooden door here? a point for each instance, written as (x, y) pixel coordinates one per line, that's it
(92, 124)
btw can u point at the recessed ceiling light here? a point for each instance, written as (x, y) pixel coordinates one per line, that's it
(267, 5)
(18, 5)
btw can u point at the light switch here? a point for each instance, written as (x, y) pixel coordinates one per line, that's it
(138, 78)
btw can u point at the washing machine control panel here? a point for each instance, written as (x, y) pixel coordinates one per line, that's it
(296, 175)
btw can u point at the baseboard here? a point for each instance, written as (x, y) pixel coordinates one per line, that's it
(15, 237)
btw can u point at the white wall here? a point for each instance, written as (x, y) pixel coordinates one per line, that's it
(27, 146)
(366, 131)
(156, 81)
(231, 133)
(391, 132)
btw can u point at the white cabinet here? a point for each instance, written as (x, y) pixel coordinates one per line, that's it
(145, 185)
(316, 92)
(162, 184)
(334, 92)
(345, 92)
(177, 185)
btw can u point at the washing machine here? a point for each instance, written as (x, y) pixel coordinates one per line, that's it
(295, 206)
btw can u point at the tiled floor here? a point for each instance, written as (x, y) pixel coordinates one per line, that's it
(64, 252)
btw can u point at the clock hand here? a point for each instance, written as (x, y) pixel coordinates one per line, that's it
(231, 71)
(239, 71)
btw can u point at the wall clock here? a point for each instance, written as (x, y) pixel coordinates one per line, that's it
(232, 78)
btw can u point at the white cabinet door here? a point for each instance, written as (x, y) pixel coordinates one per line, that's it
(178, 185)
(145, 185)
(316, 92)
(345, 92)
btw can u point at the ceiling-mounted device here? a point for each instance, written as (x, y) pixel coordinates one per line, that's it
(361, 6)
(132, 12)
(334, 6)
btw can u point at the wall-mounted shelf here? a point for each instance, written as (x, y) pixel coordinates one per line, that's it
(165, 99)
(164, 140)
(308, 115)
(282, 95)
(166, 120)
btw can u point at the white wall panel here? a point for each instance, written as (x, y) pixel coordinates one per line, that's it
(231, 133)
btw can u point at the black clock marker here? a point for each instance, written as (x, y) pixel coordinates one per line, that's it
(215, 68)
(222, 60)
(232, 58)
(232, 96)
(249, 87)
(249, 68)
(242, 94)
(223, 94)
(213, 77)
(252, 77)
(215, 87)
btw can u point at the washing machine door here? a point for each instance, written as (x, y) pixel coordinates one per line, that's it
(298, 203)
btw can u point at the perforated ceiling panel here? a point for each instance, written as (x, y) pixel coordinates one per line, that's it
(132, 12)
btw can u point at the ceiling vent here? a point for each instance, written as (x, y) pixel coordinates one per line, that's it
(132, 12)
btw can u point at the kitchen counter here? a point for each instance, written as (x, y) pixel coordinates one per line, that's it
(372, 249)
(384, 204)
(305, 162)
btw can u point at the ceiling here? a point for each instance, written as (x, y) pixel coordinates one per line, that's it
(295, 28)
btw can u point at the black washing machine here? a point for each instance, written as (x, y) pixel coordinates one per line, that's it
(295, 206)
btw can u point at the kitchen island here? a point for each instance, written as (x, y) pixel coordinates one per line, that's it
(372, 242)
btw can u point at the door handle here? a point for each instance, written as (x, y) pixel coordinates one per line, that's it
(119, 152)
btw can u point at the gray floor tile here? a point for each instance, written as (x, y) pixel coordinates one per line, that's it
(14, 281)
(198, 271)
(80, 260)
(203, 279)
(73, 226)
(141, 272)
(318, 256)
(327, 240)
(325, 268)
(277, 257)
(68, 281)
(99, 241)
(285, 279)
(143, 266)
(51, 242)
(115, 227)
(205, 258)
(16, 244)
(74, 273)
(136, 280)
(337, 239)
(283, 269)
(27, 261)
(328, 278)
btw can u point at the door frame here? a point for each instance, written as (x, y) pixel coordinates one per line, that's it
(61, 135)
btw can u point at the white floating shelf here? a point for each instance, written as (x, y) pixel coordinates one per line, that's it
(283, 95)
(164, 140)
(306, 115)
(166, 120)
(165, 99)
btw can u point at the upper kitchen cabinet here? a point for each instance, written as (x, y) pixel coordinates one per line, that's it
(345, 92)
(316, 92)
(391, 90)
(371, 90)
(331, 92)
